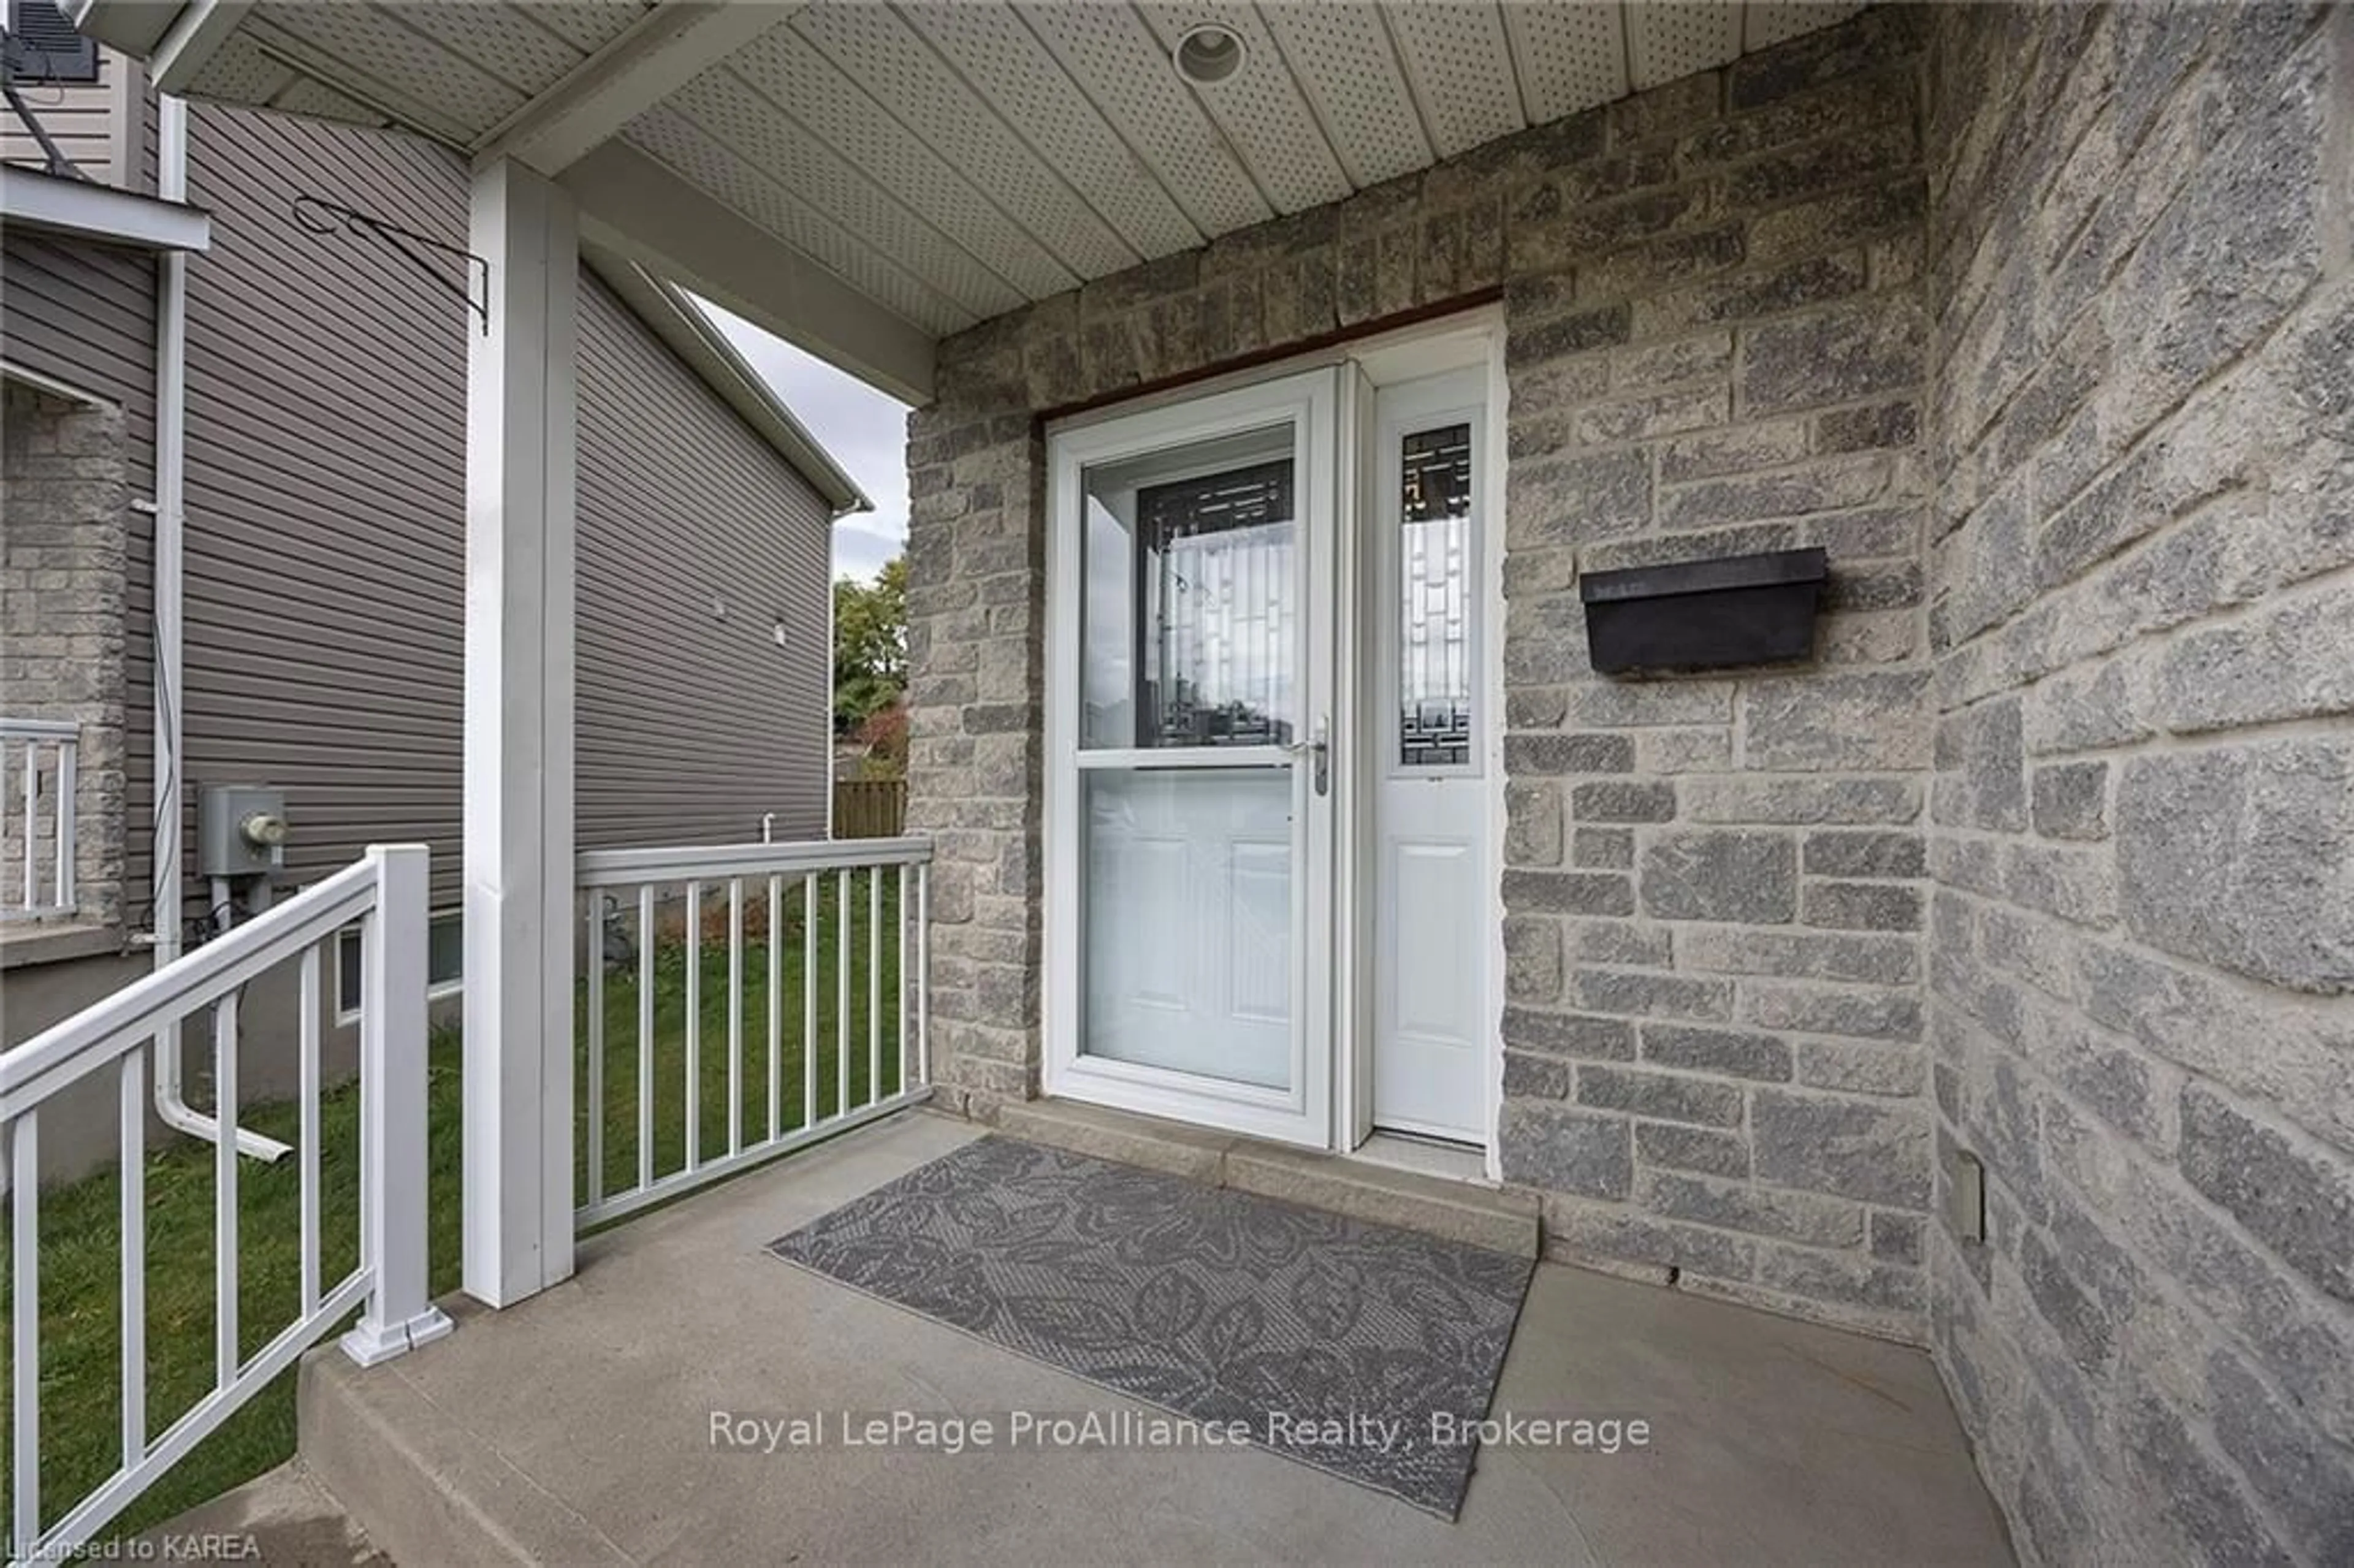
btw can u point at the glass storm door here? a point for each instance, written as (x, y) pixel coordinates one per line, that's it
(1189, 767)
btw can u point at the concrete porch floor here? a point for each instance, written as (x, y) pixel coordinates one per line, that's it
(575, 1428)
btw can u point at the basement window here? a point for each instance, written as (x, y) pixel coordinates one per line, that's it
(445, 963)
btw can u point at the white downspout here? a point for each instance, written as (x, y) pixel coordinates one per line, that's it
(171, 493)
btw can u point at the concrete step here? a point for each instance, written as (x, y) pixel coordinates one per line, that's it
(1501, 1220)
(281, 1519)
(429, 1489)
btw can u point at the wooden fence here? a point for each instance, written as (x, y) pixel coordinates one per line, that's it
(870, 807)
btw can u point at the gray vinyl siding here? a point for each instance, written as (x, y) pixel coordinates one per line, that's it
(693, 722)
(86, 314)
(325, 493)
(325, 545)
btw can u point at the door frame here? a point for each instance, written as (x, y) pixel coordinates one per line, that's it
(1372, 634)
(1303, 1113)
(1474, 337)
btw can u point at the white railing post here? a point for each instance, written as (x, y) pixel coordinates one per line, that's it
(32, 832)
(66, 897)
(923, 974)
(25, 1334)
(393, 1197)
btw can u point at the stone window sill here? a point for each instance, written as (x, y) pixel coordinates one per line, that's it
(22, 945)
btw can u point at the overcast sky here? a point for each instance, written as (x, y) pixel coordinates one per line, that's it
(866, 431)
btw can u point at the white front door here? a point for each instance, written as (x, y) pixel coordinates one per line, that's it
(1189, 921)
(1423, 540)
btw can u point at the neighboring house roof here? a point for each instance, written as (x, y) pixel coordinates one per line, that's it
(688, 332)
(84, 209)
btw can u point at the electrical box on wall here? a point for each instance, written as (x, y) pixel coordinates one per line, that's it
(240, 830)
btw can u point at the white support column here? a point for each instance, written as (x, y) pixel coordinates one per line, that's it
(519, 643)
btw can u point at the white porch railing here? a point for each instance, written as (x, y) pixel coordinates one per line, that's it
(36, 816)
(804, 963)
(385, 893)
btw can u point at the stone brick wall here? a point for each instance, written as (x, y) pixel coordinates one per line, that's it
(1716, 887)
(64, 537)
(1713, 887)
(2142, 840)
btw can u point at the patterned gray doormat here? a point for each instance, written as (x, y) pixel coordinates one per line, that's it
(1352, 1347)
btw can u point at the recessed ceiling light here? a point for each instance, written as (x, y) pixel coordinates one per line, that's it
(1209, 53)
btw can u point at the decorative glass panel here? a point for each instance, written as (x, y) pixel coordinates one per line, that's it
(1191, 629)
(1435, 595)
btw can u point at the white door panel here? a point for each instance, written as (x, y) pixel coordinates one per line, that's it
(1423, 540)
(1188, 941)
(1432, 987)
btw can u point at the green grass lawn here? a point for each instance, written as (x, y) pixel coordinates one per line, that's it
(80, 1228)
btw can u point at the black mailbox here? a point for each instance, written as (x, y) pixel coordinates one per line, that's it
(1704, 615)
